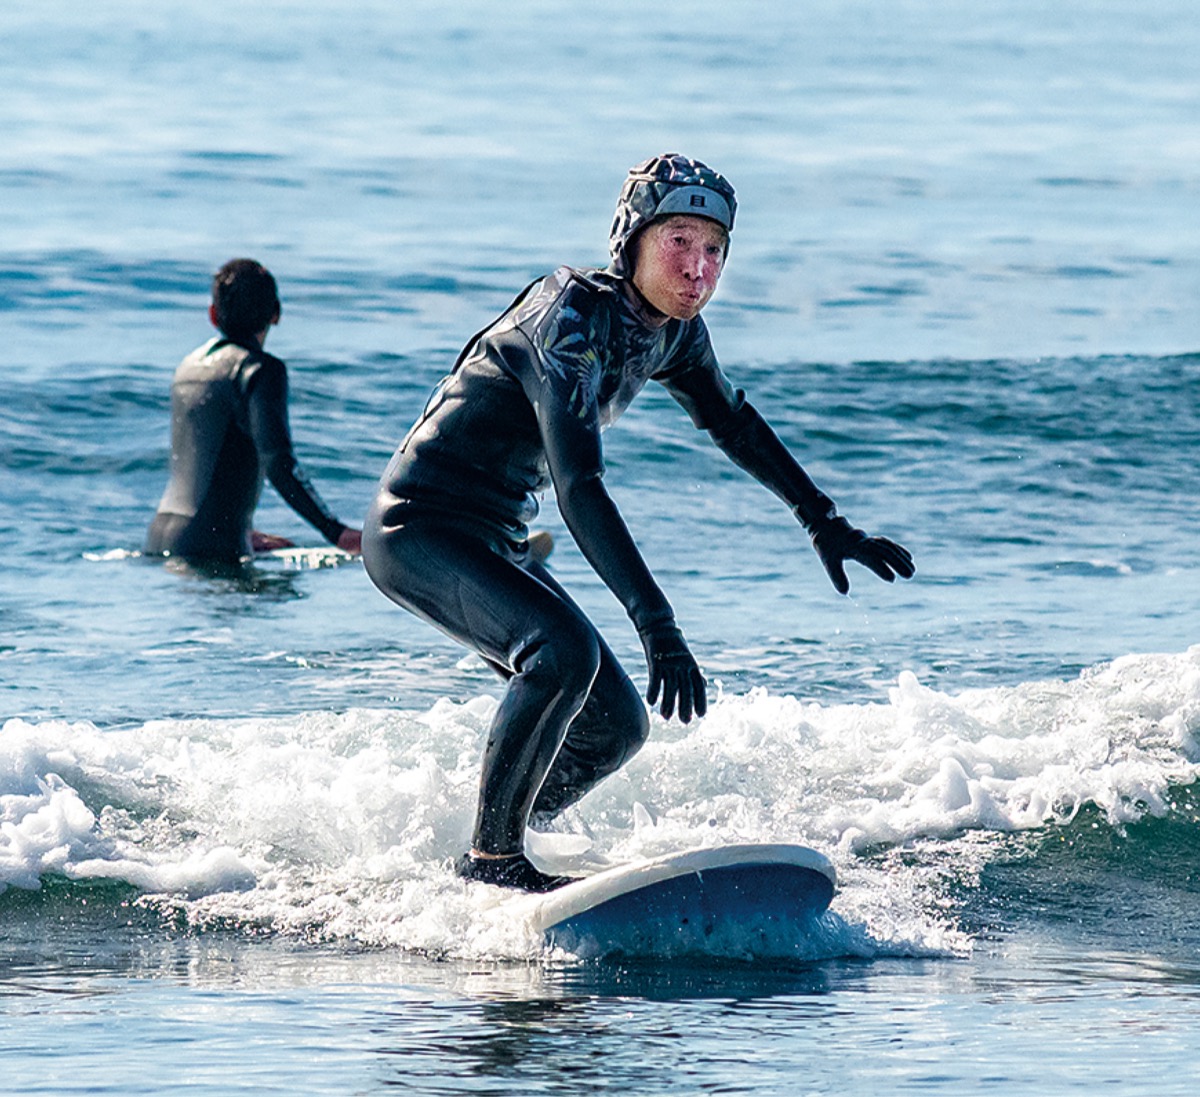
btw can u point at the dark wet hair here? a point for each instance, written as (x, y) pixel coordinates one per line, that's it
(245, 298)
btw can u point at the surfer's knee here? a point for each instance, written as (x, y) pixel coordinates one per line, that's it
(564, 660)
(609, 731)
(630, 724)
(612, 727)
(625, 720)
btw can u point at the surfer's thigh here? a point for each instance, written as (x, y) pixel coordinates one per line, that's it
(481, 597)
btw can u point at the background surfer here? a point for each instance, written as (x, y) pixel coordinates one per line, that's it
(229, 426)
(522, 410)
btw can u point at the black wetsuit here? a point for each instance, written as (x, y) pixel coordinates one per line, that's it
(523, 411)
(229, 426)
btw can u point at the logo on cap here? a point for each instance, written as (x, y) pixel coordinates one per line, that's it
(698, 200)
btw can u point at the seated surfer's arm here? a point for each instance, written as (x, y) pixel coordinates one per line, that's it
(746, 438)
(267, 413)
(576, 467)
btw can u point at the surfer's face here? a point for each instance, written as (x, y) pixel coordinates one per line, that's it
(677, 264)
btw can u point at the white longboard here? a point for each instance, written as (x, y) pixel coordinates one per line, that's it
(742, 900)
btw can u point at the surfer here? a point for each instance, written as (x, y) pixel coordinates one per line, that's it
(521, 411)
(229, 427)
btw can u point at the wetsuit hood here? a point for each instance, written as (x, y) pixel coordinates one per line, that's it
(660, 187)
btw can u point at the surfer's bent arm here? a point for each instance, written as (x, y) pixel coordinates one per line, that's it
(266, 410)
(576, 465)
(748, 440)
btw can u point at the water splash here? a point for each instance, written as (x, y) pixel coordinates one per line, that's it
(344, 826)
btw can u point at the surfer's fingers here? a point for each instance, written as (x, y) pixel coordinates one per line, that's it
(885, 558)
(685, 707)
(687, 690)
(690, 689)
(662, 681)
(896, 556)
(699, 692)
(873, 563)
(687, 695)
(670, 692)
(837, 573)
(653, 687)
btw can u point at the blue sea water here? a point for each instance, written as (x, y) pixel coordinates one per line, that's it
(962, 286)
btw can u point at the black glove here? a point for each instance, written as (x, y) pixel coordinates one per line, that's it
(837, 541)
(674, 671)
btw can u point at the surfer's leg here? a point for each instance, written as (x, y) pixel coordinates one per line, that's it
(610, 729)
(541, 640)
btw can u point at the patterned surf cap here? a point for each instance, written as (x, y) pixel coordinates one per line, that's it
(661, 186)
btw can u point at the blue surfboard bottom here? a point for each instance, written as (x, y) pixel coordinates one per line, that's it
(741, 910)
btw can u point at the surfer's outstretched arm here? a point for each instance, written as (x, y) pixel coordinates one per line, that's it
(746, 438)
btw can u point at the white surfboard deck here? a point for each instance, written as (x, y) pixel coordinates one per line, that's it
(744, 900)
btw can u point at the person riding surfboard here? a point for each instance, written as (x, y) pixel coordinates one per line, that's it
(522, 411)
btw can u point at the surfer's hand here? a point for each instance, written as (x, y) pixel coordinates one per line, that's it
(837, 541)
(674, 672)
(268, 542)
(350, 540)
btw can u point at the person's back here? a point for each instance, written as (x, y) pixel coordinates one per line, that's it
(229, 429)
(216, 476)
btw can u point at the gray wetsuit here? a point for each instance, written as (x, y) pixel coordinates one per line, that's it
(229, 429)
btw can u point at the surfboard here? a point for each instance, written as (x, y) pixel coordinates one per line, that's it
(748, 900)
(304, 558)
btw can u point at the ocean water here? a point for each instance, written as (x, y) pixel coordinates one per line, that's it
(962, 286)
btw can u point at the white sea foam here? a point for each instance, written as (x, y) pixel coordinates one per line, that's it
(344, 825)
